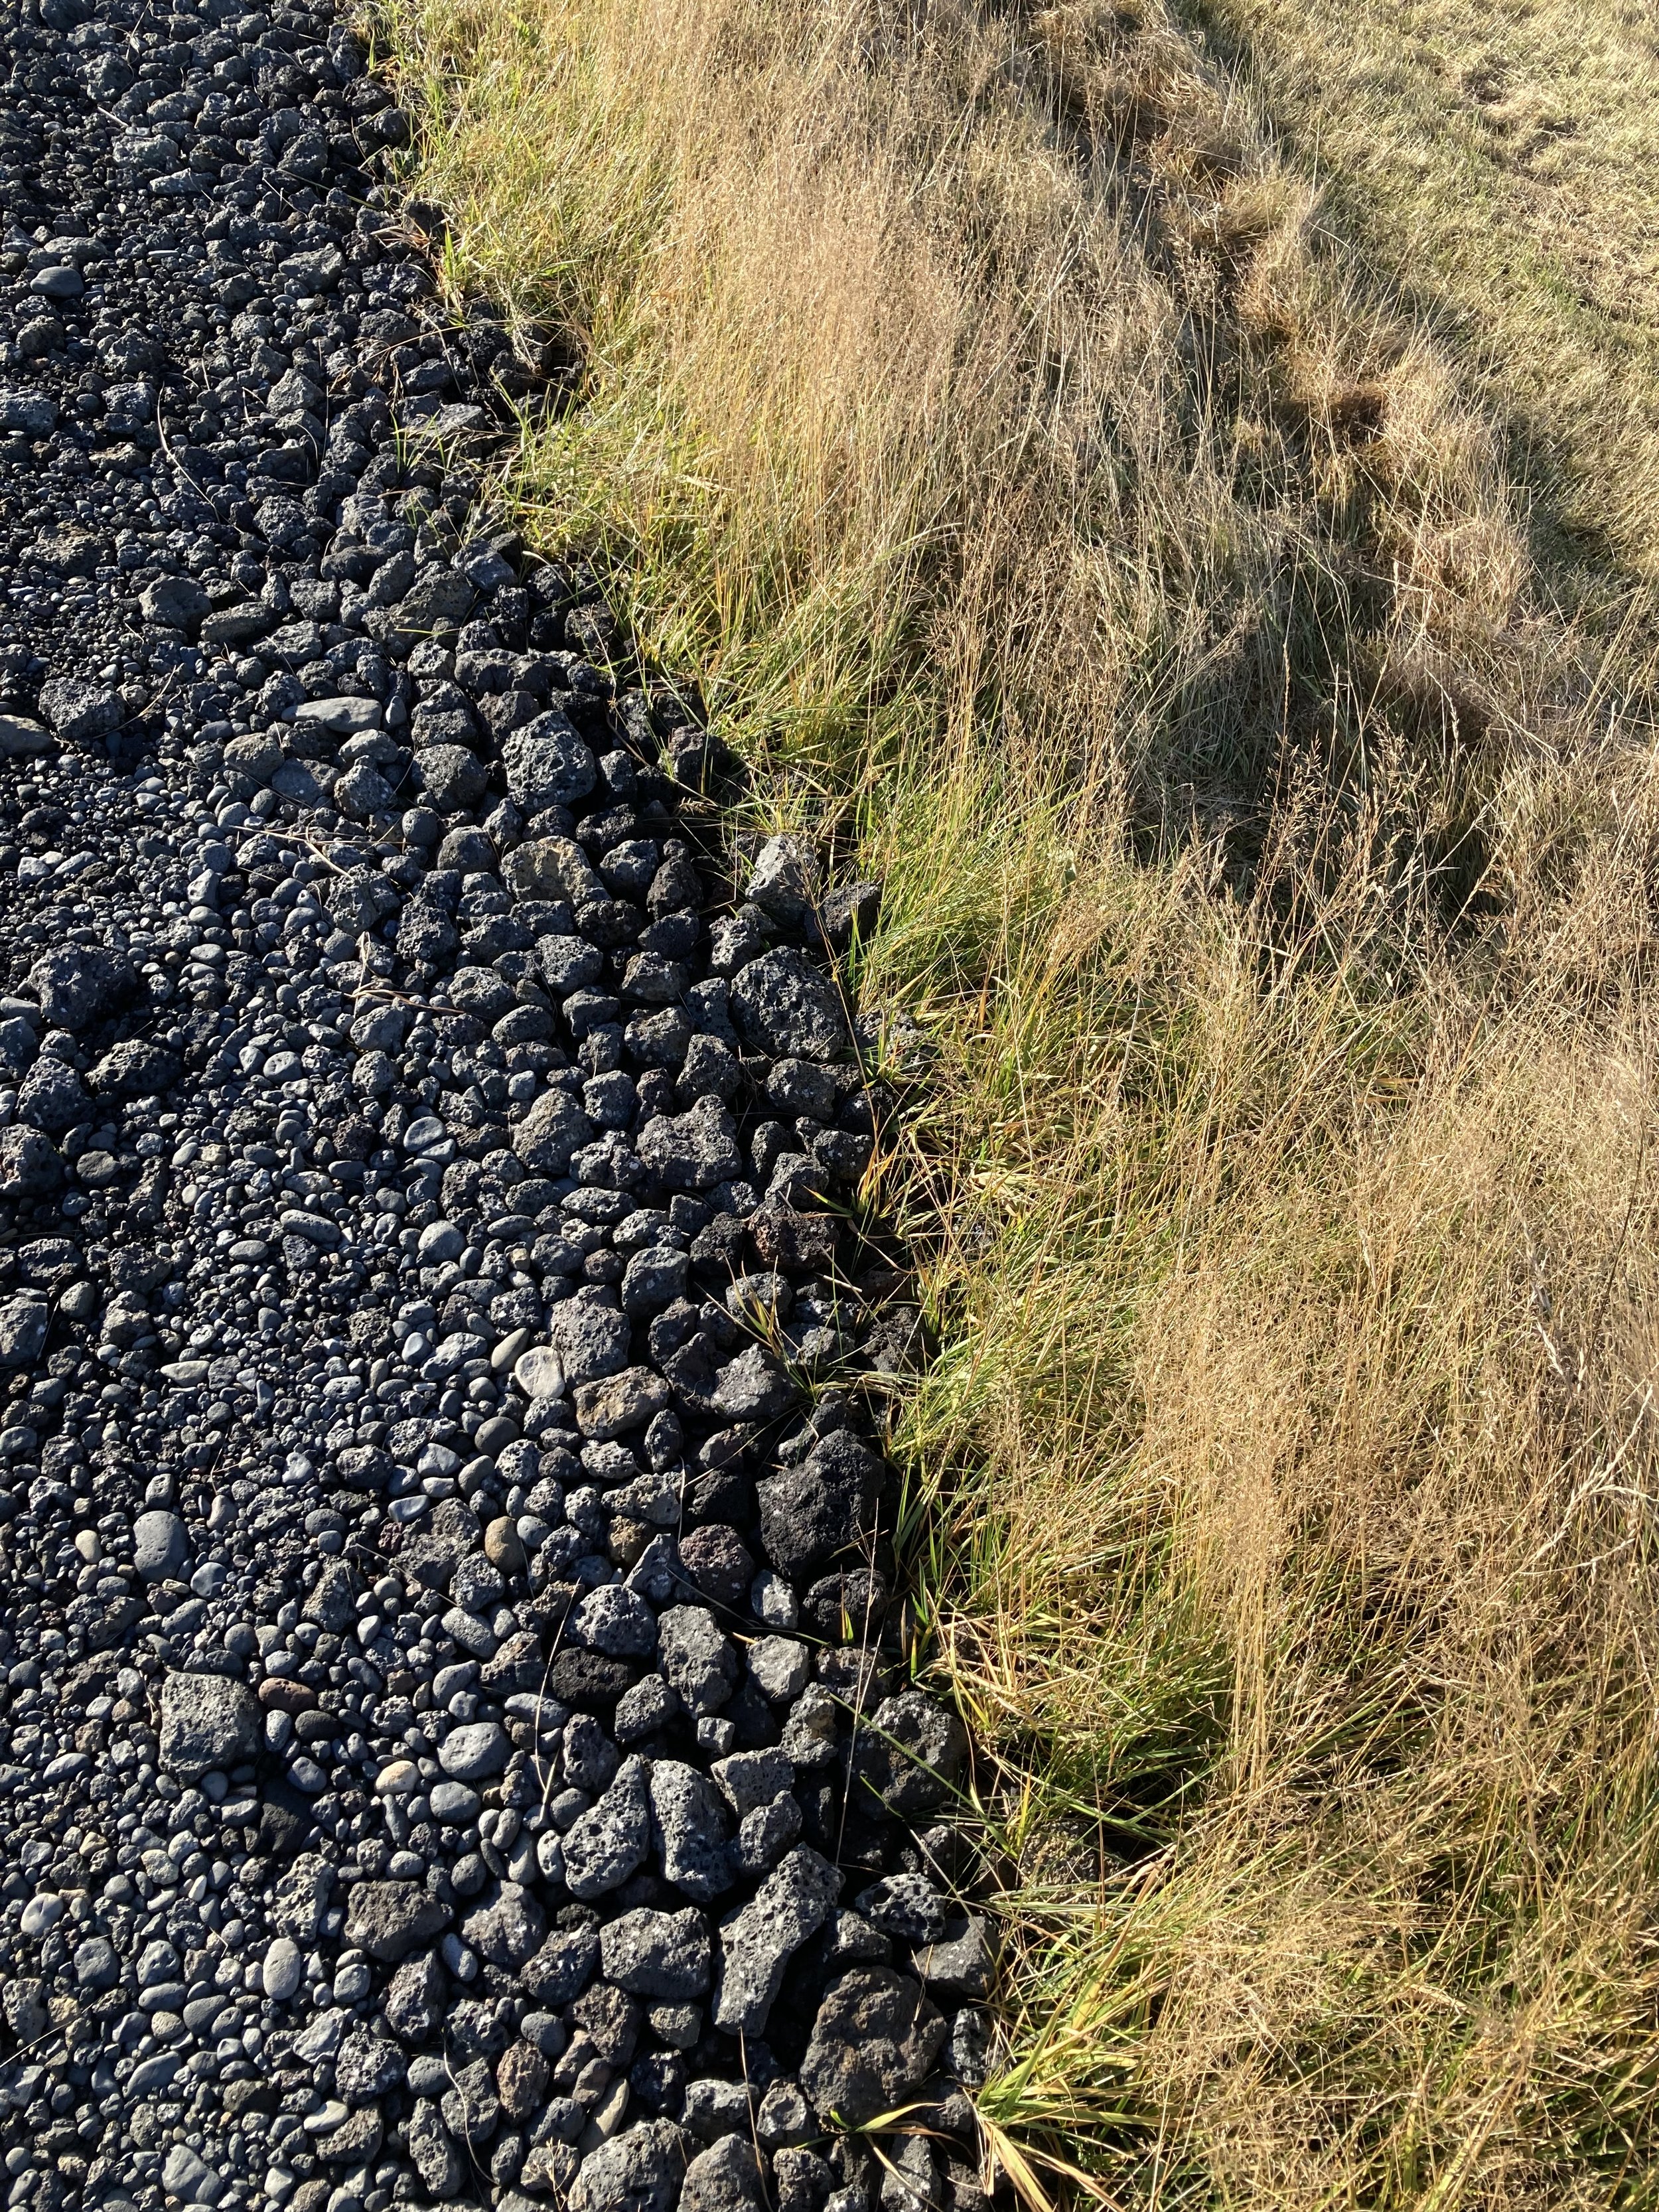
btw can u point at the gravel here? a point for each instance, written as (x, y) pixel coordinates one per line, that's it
(455, 1742)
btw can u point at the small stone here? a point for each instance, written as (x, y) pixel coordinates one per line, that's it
(873, 2042)
(905, 1906)
(790, 1906)
(503, 1546)
(785, 2116)
(389, 1919)
(701, 1664)
(714, 2108)
(725, 2178)
(413, 1998)
(282, 1970)
(521, 2078)
(610, 1842)
(690, 1828)
(913, 1753)
(825, 1506)
(208, 1721)
(613, 1620)
(657, 1954)
(473, 1751)
(547, 764)
(368, 2066)
(961, 1960)
(786, 1009)
(751, 1779)
(642, 2171)
(612, 1406)
(507, 1928)
(563, 1966)
(175, 603)
(778, 1667)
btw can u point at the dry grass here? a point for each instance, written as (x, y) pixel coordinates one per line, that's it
(975, 410)
(1498, 161)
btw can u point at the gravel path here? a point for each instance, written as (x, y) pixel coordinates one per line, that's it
(456, 1741)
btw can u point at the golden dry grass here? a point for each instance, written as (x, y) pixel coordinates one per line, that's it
(1499, 163)
(1067, 529)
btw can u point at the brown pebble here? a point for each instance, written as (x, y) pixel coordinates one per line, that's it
(502, 1545)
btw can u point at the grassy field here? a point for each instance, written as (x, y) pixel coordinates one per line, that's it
(1075, 524)
(1498, 164)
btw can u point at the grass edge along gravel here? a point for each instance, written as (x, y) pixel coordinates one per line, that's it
(973, 406)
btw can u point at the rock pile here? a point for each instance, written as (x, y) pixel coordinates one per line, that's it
(457, 1741)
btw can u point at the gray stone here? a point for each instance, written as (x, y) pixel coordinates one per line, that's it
(22, 739)
(757, 1942)
(51, 1096)
(785, 2116)
(700, 1663)
(508, 1928)
(368, 2067)
(905, 1906)
(183, 2174)
(960, 1962)
(332, 1602)
(29, 1165)
(714, 2108)
(34, 413)
(765, 1834)
(779, 1666)
(611, 1405)
(910, 2182)
(563, 1966)
(207, 1721)
(78, 984)
(823, 1507)
(611, 1841)
(134, 1069)
(784, 879)
(390, 1919)
(434, 2157)
(612, 1620)
(695, 1150)
(547, 764)
(24, 1323)
(657, 1954)
(452, 776)
(753, 1386)
(283, 1967)
(750, 1778)
(785, 1008)
(474, 1750)
(873, 2043)
(641, 2171)
(96, 1966)
(725, 2178)
(174, 602)
(590, 1340)
(299, 1900)
(655, 1277)
(434, 606)
(911, 1753)
(81, 712)
(414, 1998)
(553, 1129)
(690, 1828)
